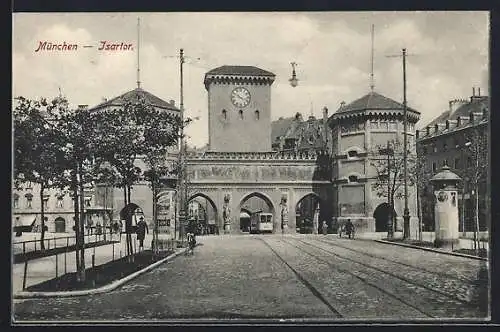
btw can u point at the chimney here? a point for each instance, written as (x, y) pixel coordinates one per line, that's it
(325, 126)
(417, 132)
(479, 92)
(342, 104)
(82, 107)
(455, 104)
(473, 91)
(104, 99)
(172, 102)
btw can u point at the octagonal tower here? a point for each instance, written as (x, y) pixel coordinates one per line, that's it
(359, 130)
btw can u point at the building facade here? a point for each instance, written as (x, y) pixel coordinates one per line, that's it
(458, 138)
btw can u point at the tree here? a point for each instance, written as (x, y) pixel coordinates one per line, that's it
(79, 139)
(389, 182)
(425, 195)
(475, 173)
(37, 153)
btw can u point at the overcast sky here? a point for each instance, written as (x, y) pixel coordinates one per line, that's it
(449, 55)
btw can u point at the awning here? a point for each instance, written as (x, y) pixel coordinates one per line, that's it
(25, 220)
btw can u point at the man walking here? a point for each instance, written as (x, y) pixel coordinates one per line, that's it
(142, 229)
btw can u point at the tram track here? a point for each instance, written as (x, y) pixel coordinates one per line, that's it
(404, 279)
(304, 281)
(363, 280)
(417, 268)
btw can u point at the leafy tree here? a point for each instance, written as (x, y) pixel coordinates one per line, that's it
(388, 161)
(80, 137)
(37, 153)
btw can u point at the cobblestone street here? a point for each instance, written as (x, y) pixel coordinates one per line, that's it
(289, 277)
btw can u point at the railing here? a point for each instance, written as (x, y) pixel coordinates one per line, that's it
(31, 246)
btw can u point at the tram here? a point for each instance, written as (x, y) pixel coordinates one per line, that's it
(261, 222)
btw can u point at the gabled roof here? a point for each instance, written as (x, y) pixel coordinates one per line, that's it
(476, 105)
(135, 95)
(372, 101)
(240, 71)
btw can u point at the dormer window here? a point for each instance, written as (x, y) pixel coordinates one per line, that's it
(257, 115)
(353, 178)
(241, 114)
(224, 114)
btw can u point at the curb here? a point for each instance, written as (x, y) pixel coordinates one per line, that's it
(433, 250)
(103, 289)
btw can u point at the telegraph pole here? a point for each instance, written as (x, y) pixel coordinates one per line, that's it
(180, 176)
(406, 212)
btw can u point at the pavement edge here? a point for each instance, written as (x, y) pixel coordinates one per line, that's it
(103, 289)
(432, 250)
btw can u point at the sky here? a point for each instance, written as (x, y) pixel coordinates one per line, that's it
(448, 55)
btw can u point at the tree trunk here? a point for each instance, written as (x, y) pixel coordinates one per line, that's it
(77, 224)
(476, 216)
(419, 211)
(82, 225)
(42, 214)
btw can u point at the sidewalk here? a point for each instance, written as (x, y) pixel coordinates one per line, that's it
(43, 269)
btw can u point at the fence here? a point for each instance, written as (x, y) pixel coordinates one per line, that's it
(42, 269)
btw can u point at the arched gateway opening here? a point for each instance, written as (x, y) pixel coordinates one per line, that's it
(307, 212)
(202, 214)
(381, 215)
(254, 203)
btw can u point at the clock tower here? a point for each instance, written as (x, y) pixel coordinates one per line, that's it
(239, 109)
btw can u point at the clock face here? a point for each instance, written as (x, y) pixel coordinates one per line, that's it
(240, 97)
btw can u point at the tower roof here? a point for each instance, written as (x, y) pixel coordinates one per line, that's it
(372, 101)
(239, 71)
(373, 104)
(135, 95)
(240, 74)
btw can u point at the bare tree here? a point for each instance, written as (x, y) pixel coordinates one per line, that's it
(389, 182)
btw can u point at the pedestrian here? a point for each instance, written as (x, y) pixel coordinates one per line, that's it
(142, 229)
(349, 228)
(325, 227)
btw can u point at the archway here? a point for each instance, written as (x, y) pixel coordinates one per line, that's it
(381, 215)
(60, 225)
(307, 214)
(253, 203)
(204, 214)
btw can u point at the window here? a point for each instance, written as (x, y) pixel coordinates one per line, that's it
(46, 202)
(443, 163)
(257, 115)
(241, 114)
(224, 114)
(434, 167)
(455, 143)
(434, 148)
(353, 178)
(87, 201)
(457, 163)
(445, 146)
(29, 200)
(16, 201)
(352, 154)
(60, 202)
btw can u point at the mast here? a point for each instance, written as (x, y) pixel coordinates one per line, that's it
(138, 53)
(372, 78)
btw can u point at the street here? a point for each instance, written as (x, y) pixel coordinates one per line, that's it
(286, 277)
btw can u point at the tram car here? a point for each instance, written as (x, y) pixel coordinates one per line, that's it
(261, 223)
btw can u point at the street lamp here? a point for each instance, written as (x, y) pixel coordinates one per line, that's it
(294, 81)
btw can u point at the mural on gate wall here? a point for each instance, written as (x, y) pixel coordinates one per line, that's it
(284, 211)
(226, 209)
(254, 173)
(352, 200)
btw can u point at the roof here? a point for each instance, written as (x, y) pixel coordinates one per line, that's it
(475, 105)
(239, 71)
(372, 101)
(308, 133)
(280, 127)
(136, 94)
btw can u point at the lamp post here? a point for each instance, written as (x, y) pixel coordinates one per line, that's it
(180, 176)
